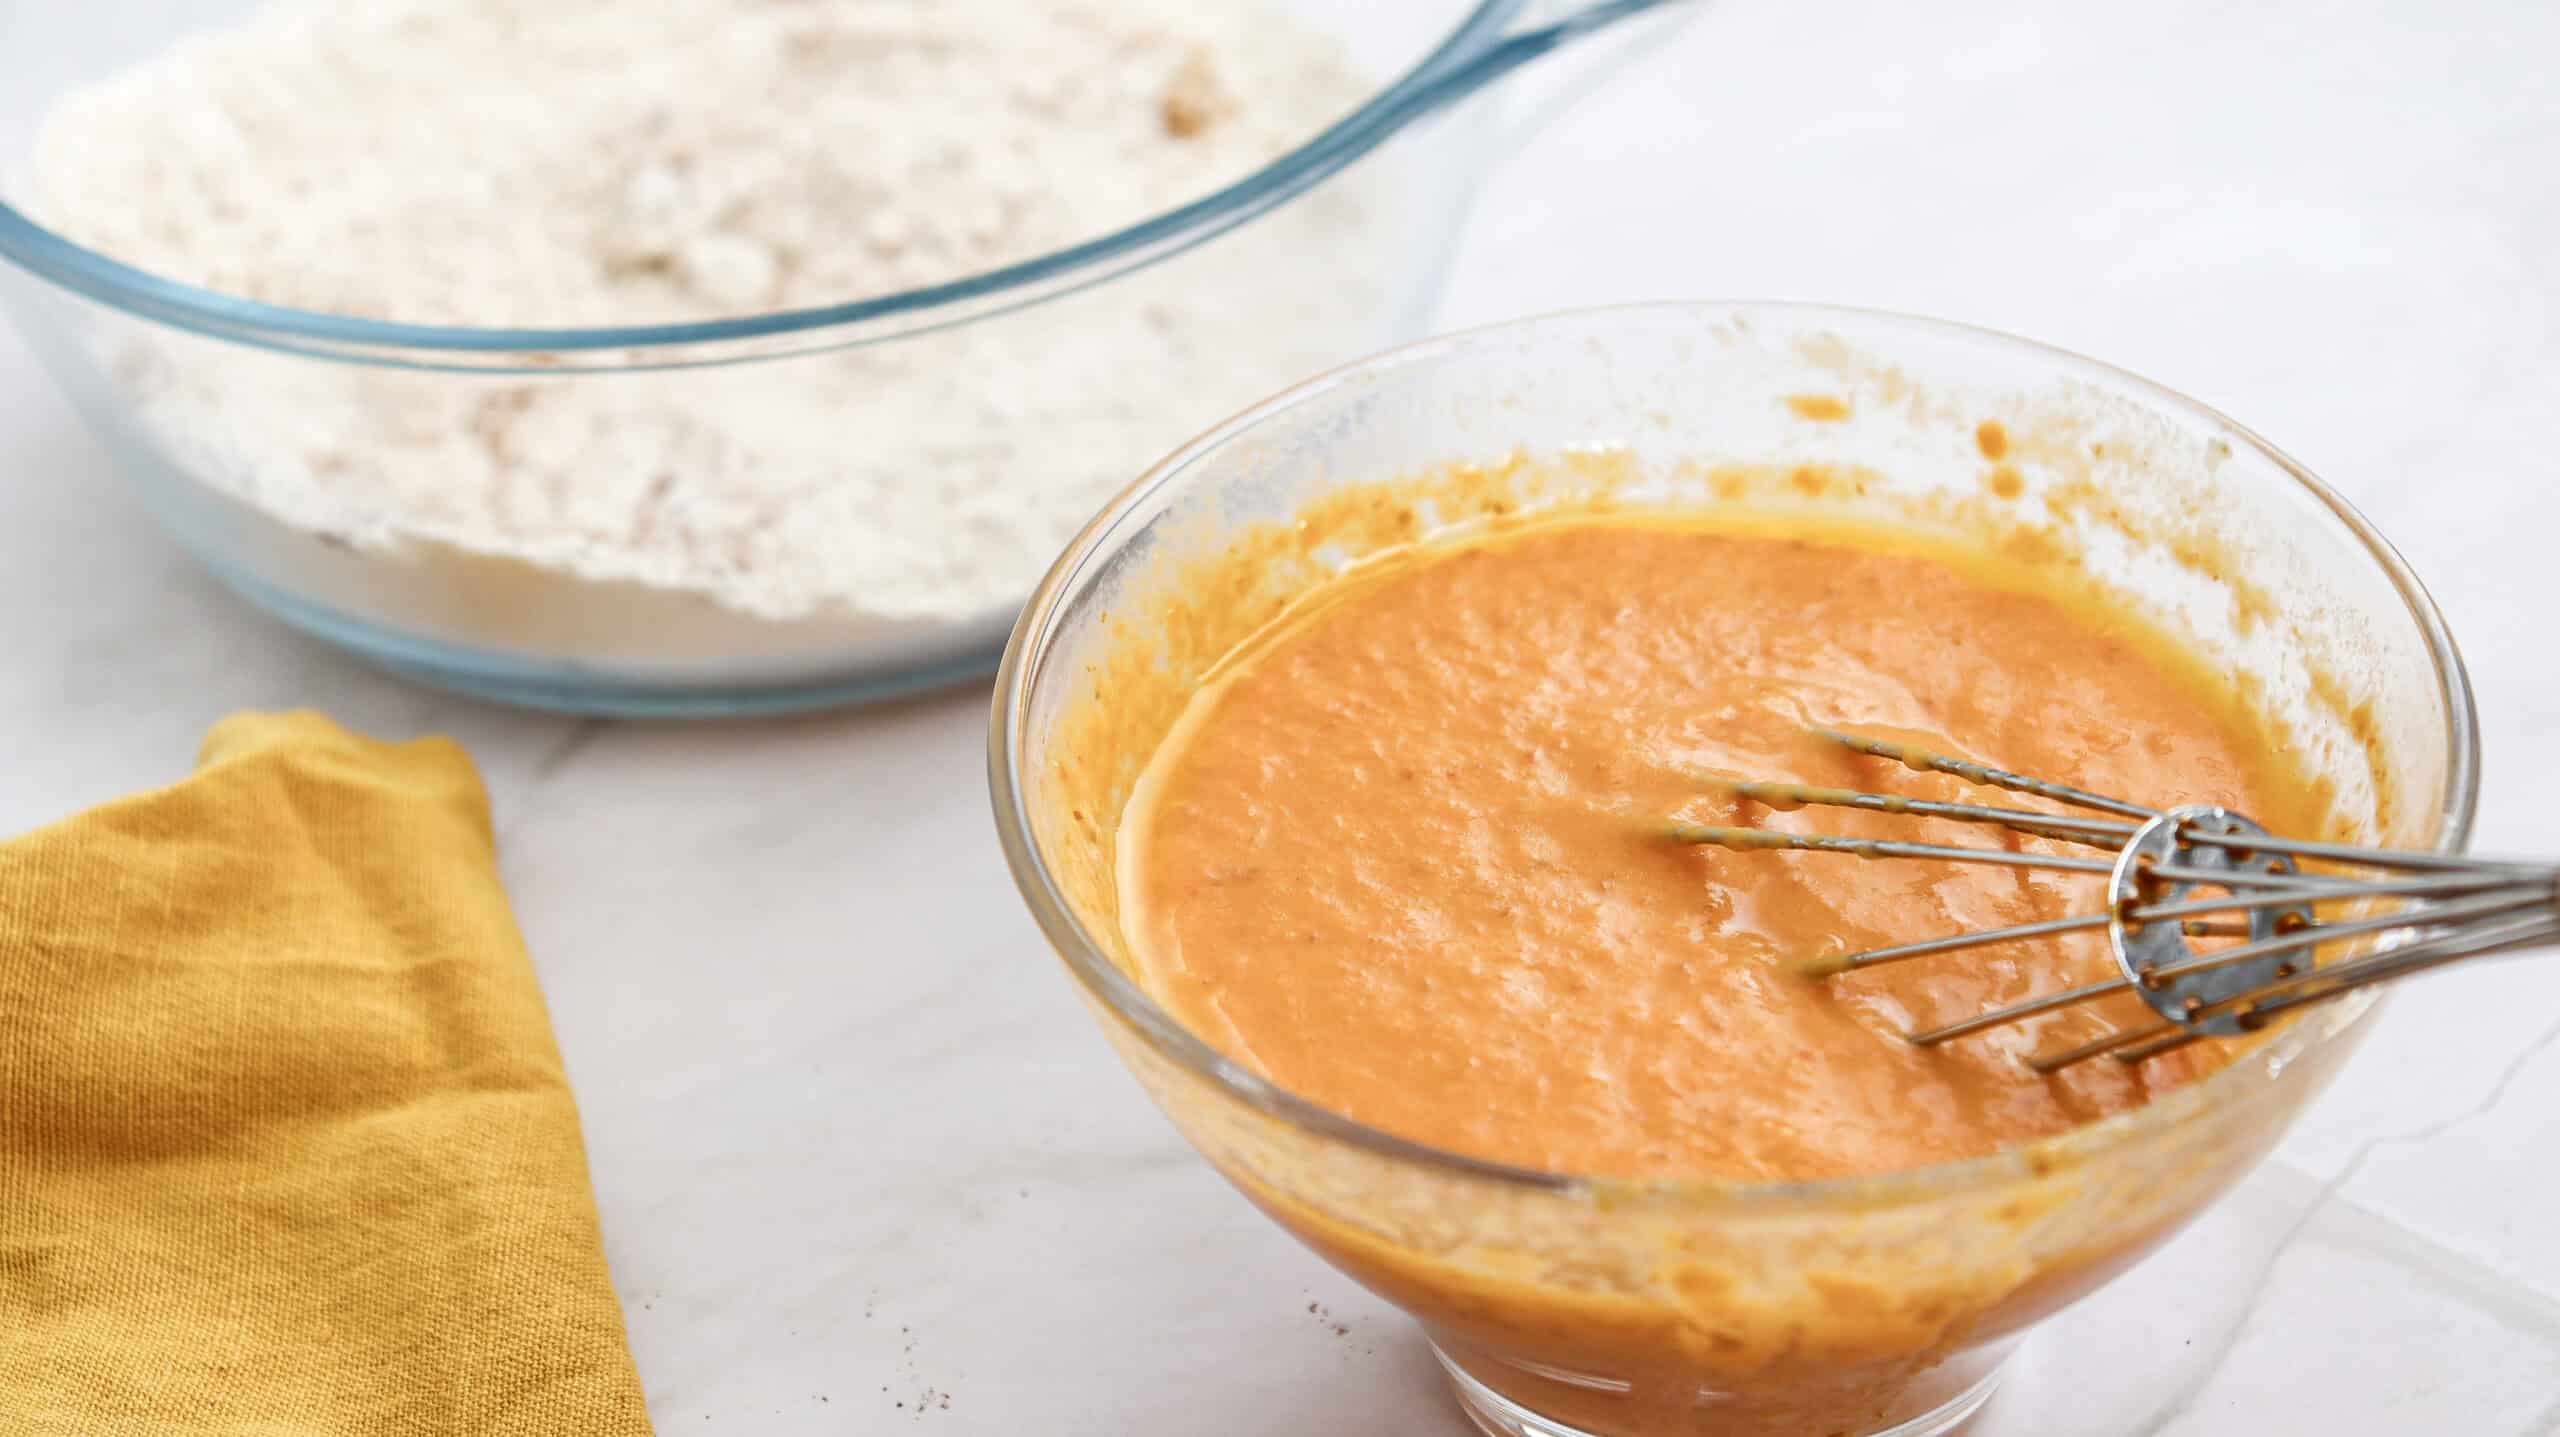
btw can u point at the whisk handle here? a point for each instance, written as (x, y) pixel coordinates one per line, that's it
(2539, 930)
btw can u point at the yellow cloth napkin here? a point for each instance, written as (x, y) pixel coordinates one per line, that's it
(285, 1144)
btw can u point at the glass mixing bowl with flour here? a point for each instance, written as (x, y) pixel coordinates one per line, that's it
(708, 356)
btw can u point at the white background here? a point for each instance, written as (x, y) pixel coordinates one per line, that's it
(856, 1144)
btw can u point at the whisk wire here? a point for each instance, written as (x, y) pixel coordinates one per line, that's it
(1748, 839)
(2451, 907)
(2097, 832)
(1824, 967)
(1982, 773)
(2050, 1002)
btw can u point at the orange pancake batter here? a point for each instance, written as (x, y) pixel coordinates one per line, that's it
(1404, 855)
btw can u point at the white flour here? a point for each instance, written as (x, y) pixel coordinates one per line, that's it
(603, 162)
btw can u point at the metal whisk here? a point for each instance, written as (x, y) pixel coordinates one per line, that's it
(2178, 875)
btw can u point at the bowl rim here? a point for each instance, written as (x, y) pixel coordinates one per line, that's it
(1169, 1038)
(1473, 51)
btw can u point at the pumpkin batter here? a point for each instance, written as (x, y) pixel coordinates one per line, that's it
(1405, 855)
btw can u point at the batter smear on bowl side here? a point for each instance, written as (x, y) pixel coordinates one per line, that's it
(1404, 854)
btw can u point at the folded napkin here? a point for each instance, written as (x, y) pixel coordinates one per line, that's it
(285, 1144)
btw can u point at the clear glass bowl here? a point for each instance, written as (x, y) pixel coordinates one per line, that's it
(1565, 1304)
(166, 372)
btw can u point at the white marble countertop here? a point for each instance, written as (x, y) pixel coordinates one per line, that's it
(863, 1159)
